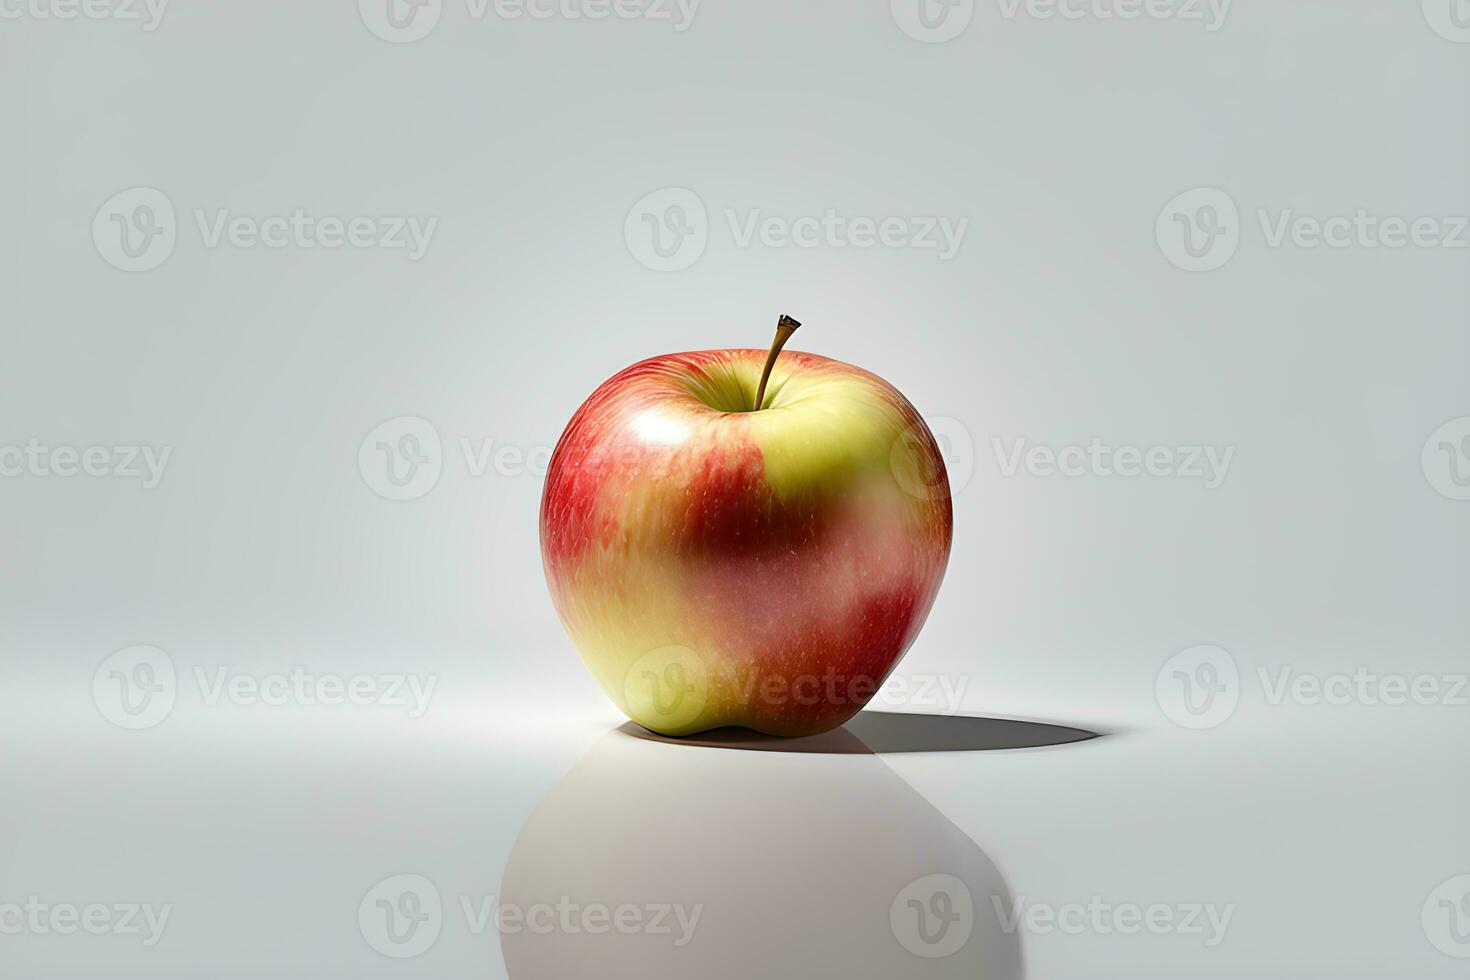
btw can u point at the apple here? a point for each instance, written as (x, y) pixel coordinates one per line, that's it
(720, 564)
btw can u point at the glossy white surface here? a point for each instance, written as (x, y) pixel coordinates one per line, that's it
(1288, 843)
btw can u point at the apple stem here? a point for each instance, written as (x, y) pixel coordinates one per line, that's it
(785, 327)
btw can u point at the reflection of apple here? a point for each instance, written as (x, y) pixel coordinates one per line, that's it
(651, 860)
(720, 565)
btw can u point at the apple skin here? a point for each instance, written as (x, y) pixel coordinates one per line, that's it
(716, 566)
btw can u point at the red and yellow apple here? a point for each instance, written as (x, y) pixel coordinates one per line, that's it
(721, 564)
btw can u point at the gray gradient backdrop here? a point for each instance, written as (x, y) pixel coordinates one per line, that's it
(1072, 310)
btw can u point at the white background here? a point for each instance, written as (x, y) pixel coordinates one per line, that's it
(1332, 543)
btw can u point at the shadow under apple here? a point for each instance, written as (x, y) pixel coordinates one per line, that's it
(892, 732)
